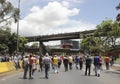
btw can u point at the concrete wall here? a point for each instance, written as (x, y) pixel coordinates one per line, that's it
(7, 66)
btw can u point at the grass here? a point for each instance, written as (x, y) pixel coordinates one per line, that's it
(118, 60)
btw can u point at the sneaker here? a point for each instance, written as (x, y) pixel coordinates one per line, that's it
(98, 75)
(24, 78)
(31, 78)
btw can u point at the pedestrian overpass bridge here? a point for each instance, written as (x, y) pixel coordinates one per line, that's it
(61, 36)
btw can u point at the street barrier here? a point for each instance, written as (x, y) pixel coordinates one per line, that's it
(7, 66)
(3, 67)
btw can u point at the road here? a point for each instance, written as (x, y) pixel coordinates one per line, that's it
(71, 77)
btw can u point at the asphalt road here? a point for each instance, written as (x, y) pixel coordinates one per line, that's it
(71, 77)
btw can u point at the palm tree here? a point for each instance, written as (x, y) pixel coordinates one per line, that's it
(118, 16)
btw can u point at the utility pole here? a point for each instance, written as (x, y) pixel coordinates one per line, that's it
(18, 27)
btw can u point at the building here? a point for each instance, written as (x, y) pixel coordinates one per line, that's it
(70, 44)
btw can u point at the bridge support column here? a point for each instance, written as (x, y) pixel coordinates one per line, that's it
(40, 47)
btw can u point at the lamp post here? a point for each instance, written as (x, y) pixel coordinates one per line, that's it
(18, 27)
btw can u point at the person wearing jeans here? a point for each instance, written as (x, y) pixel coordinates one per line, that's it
(46, 62)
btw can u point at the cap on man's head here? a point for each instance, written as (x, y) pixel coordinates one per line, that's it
(26, 56)
(47, 54)
(31, 55)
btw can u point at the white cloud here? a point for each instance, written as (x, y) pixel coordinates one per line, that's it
(75, 26)
(45, 20)
(51, 19)
(66, 4)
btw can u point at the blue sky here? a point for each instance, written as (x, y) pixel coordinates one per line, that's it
(41, 17)
(95, 11)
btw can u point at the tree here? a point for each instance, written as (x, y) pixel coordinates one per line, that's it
(105, 37)
(7, 13)
(35, 45)
(12, 43)
(118, 15)
(108, 30)
(4, 37)
(118, 7)
(8, 41)
(22, 42)
(91, 44)
(3, 48)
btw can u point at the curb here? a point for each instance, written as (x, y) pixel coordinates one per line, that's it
(116, 68)
(10, 72)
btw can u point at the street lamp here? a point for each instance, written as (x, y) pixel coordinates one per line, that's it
(18, 27)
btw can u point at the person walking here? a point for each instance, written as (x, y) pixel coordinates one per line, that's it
(16, 61)
(70, 59)
(25, 66)
(30, 63)
(81, 63)
(65, 62)
(46, 62)
(52, 65)
(34, 65)
(97, 65)
(88, 62)
(101, 63)
(55, 64)
(77, 61)
(107, 61)
(111, 60)
(41, 63)
(59, 62)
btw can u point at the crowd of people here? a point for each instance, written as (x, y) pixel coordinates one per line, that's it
(54, 62)
(14, 58)
(7, 58)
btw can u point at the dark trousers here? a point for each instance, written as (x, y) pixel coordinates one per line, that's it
(88, 69)
(41, 66)
(70, 65)
(47, 67)
(81, 65)
(107, 65)
(66, 67)
(59, 64)
(33, 71)
(25, 71)
(30, 71)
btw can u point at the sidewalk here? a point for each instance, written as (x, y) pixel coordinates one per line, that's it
(115, 67)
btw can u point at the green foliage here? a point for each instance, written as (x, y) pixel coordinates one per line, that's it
(3, 48)
(7, 13)
(104, 38)
(91, 44)
(22, 42)
(35, 45)
(8, 42)
(109, 30)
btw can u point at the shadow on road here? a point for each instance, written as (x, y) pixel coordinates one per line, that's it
(42, 78)
(89, 76)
